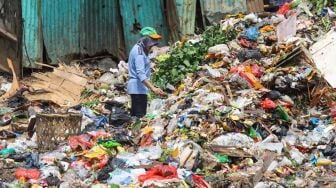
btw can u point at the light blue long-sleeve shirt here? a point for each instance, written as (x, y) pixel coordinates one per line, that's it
(138, 70)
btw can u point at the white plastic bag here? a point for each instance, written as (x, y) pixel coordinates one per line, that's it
(286, 29)
(236, 140)
(156, 106)
(219, 49)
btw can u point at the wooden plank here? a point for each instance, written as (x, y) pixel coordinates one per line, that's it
(255, 5)
(8, 35)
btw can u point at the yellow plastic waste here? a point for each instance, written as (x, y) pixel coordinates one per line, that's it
(179, 89)
(217, 65)
(96, 152)
(266, 29)
(323, 162)
(147, 130)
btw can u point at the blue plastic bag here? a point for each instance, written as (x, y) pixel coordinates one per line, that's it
(251, 33)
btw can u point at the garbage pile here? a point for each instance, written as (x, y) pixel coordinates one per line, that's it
(248, 107)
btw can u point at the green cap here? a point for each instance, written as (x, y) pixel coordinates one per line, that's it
(151, 32)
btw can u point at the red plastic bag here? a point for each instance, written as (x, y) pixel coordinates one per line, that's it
(268, 104)
(79, 141)
(284, 9)
(198, 182)
(247, 43)
(27, 174)
(147, 139)
(103, 161)
(256, 71)
(159, 172)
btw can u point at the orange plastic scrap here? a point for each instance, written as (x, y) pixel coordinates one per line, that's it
(267, 28)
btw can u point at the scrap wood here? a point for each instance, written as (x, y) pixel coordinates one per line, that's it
(15, 84)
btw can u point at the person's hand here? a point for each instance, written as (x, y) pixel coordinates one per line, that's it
(158, 91)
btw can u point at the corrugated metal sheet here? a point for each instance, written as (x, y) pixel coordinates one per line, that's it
(81, 27)
(172, 19)
(186, 10)
(101, 28)
(141, 13)
(214, 10)
(31, 45)
(61, 33)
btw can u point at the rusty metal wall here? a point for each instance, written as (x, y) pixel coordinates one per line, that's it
(8, 16)
(10, 34)
(83, 27)
(187, 14)
(214, 10)
(32, 46)
(141, 13)
(101, 28)
(60, 28)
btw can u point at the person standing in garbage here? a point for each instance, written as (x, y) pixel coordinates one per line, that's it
(139, 71)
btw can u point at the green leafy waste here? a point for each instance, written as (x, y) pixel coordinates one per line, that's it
(186, 58)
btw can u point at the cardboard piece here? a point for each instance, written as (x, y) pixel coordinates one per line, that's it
(60, 86)
(15, 84)
(323, 55)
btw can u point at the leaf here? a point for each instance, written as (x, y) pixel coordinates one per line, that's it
(186, 63)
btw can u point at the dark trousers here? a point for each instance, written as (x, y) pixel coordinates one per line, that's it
(139, 105)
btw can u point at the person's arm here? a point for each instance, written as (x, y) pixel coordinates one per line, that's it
(140, 70)
(156, 90)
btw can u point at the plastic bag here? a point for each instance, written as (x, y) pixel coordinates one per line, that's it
(246, 54)
(107, 78)
(250, 78)
(21, 146)
(251, 33)
(213, 73)
(7, 151)
(96, 152)
(236, 140)
(160, 172)
(198, 182)
(268, 104)
(27, 174)
(32, 161)
(286, 28)
(119, 117)
(47, 171)
(79, 168)
(284, 9)
(81, 141)
(50, 158)
(125, 177)
(269, 146)
(155, 106)
(220, 49)
(99, 120)
(153, 152)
